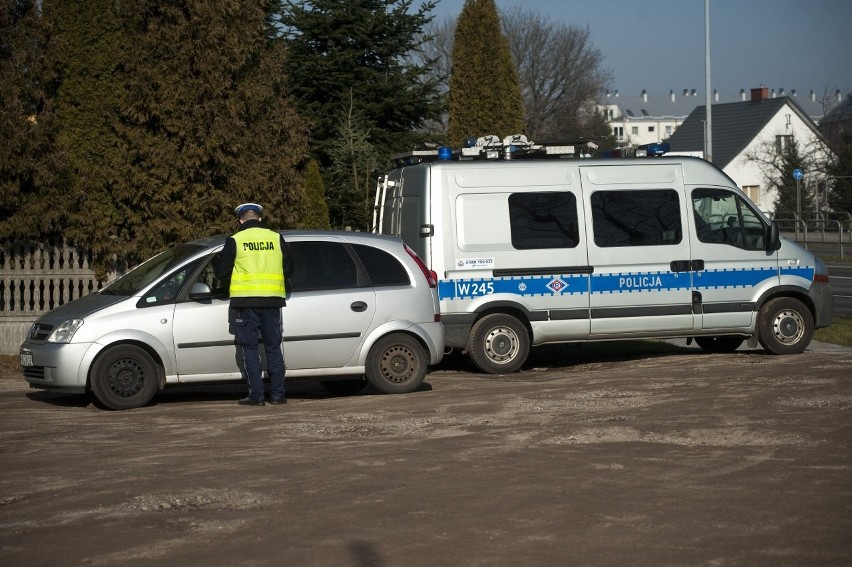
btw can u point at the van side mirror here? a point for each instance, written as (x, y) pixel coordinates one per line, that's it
(773, 243)
(200, 291)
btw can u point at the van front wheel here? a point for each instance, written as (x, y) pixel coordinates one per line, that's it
(785, 325)
(498, 344)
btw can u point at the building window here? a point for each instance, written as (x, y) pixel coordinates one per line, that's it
(753, 192)
(618, 132)
(634, 130)
(668, 130)
(651, 128)
(783, 142)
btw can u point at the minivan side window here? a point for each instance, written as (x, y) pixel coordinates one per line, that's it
(723, 217)
(543, 220)
(636, 218)
(321, 266)
(383, 268)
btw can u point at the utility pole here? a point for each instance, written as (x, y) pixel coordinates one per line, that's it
(708, 126)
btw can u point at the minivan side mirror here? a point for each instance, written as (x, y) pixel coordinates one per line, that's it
(200, 291)
(773, 243)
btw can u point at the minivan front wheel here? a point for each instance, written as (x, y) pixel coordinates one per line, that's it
(498, 344)
(124, 377)
(396, 364)
(785, 326)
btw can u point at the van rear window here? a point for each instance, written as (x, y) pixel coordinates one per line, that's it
(647, 217)
(543, 220)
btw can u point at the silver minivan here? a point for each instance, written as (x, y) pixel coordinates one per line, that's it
(361, 308)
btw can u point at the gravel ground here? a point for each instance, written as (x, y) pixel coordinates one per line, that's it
(613, 455)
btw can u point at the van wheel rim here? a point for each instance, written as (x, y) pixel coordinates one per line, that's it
(501, 344)
(398, 364)
(788, 327)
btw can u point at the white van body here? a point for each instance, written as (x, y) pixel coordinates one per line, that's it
(538, 251)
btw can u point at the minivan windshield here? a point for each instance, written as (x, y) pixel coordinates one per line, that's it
(142, 275)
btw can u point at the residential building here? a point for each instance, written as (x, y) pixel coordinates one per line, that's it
(747, 128)
(648, 118)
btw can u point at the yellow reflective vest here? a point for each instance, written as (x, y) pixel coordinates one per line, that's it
(258, 270)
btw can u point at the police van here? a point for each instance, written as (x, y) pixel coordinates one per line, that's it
(532, 247)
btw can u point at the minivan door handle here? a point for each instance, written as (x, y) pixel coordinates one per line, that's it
(358, 306)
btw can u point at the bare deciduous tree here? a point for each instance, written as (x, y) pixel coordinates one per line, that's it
(561, 73)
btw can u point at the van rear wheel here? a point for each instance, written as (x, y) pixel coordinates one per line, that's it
(498, 344)
(785, 326)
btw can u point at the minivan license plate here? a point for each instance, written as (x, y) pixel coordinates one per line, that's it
(26, 359)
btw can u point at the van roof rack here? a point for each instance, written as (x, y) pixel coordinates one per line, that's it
(491, 147)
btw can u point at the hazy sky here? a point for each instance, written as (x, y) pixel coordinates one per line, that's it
(658, 45)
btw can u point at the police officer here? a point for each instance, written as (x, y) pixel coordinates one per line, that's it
(255, 261)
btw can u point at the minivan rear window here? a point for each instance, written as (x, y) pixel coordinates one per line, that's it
(383, 268)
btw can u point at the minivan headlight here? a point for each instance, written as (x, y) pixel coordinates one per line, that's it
(64, 332)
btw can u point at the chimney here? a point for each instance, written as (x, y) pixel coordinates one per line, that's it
(608, 94)
(813, 96)
(685, 92)
(781, 92)
(760, 93)
(772, 94)
(838, 95)
(616, 93)
(671, 94)
(644, 95)
(742, 94)
(693, 92)
(793, 92)
(715, 95)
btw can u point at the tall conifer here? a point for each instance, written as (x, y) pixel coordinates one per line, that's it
(484, 96)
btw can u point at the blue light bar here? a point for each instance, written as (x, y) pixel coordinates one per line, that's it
(445, 153)
(654, 149)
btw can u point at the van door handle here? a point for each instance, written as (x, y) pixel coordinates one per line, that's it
(358, 306)
(687, 265)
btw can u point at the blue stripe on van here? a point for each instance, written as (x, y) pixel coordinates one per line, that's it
(630, 282)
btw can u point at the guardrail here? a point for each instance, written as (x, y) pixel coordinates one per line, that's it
(818, 230)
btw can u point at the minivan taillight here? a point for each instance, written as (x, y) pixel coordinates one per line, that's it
(431, 276)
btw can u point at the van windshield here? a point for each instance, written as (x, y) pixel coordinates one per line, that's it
(142, 275)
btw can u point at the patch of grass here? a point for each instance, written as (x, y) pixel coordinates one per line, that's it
(838, 333)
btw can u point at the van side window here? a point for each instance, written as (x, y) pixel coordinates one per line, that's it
(543, 220)
(723, 217)
(636, 218)
(321, 265)
(383, 268)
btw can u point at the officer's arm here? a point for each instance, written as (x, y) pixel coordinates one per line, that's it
(223, 263)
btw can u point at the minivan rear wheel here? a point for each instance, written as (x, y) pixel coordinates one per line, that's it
(124, 377)
(785, 326)
(498, 344)
(396, 364)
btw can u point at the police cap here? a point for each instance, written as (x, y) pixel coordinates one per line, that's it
(248, 207)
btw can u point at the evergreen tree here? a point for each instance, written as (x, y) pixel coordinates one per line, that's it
(485, 96)
(791, 195)
(31, 168)
(87, 55)
(360, 48)
(171, 113)
(352, 172)
(316, 209)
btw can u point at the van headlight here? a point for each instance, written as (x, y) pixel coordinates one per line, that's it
(65, 332)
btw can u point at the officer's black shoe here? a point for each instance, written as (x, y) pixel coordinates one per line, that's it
(251, 402)
(277, 401)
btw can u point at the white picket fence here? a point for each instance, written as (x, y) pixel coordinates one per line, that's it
(35, 277)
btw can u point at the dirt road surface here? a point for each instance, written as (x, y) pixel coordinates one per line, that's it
(669, 456)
